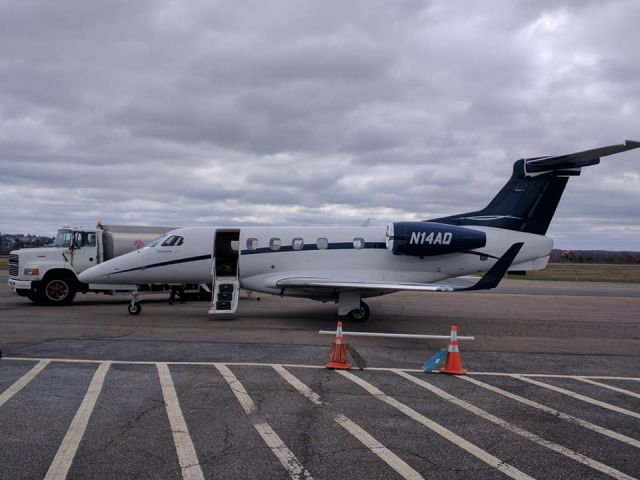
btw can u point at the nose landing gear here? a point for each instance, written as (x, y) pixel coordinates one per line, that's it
(134, 307)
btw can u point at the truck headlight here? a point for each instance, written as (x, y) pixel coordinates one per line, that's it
(32, 271)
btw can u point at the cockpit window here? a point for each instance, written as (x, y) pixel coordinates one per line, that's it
(156, 242)
(173, 241)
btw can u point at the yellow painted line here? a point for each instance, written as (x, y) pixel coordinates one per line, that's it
(609, 387)
(286, 457)
(187, 457)
(386, 455)
(578, 457)
(579, 396)
(445, 433)
(556, 413)
(67, 451)
(22, 381)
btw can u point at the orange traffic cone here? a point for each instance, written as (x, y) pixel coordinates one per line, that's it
(453, 363)
(338, 355)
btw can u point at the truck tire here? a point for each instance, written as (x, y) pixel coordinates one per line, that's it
(57, 289)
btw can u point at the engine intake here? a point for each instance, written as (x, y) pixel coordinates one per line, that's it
(423, 239)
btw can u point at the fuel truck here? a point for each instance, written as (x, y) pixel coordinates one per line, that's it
(49, 275)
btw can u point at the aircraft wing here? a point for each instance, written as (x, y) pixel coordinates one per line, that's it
(491, 279)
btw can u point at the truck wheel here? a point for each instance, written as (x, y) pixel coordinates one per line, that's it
(57, 290)
(134, 308)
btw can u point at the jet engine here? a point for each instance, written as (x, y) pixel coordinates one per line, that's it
(423, 239)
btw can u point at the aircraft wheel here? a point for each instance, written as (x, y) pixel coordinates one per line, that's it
(360, 314)
(134, 308)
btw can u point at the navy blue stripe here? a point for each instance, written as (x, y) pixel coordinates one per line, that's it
(313, 246)
(163, 264)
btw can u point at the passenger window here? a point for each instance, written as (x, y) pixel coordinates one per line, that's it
(322, 243)
(358, 242)
(297, 243)
(275, 244)
(252, 243)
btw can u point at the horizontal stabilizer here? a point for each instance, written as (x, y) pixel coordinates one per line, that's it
(578, 159)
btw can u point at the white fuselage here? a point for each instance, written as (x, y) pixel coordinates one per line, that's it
(260, 266)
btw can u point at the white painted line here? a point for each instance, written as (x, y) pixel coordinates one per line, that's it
(390, 458)
(294, 365)
(270, 437)
(610, 387)
(296, 383)
(386, 455)
(578, 457)
(22, 381)
(187, 456)
(477, 452)
(542, 375)
(67, 451)
(556, 413)
(579, 396)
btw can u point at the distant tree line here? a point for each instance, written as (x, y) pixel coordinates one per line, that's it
(594, 256)
(11, 241)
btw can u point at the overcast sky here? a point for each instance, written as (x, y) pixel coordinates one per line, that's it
(313, 112)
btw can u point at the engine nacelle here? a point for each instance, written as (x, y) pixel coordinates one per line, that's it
(423, 239)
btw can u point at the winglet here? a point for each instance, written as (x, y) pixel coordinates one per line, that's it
(492, 278)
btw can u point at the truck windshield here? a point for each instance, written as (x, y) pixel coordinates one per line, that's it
(63, 238)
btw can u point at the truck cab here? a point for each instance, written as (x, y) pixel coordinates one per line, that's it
(49, 275)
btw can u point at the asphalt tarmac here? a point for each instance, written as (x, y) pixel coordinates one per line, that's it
(553, 391)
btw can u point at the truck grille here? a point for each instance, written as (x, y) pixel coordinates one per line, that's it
(13, 265)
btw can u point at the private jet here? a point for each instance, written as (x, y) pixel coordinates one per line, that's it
(348, 264)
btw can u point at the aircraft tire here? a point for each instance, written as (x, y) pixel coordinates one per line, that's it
(360, 314)
(134, 308)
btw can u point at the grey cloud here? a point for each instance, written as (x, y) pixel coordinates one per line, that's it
(312, 112)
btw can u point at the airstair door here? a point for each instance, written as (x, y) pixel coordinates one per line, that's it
(226, 285)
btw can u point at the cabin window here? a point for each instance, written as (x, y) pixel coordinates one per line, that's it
(252, 243)
(358, 242)
(173, 241)
(322, 243)
(297, 243)
(275, 244)
(484, 258)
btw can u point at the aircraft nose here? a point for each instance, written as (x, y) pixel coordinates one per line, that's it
(95, 274)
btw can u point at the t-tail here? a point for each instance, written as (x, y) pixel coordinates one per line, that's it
(529, 199)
